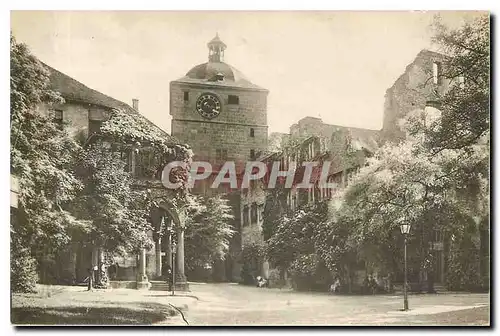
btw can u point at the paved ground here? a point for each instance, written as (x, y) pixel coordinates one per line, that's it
(232, 304)
(75, 305)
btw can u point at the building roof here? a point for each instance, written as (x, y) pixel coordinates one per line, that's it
(362, 138)
(73, 90)
(206, 73)
(217, 41)
(217, 73)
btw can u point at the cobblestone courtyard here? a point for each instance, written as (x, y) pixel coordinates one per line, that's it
(232, 304)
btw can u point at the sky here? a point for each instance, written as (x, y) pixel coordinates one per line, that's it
(332, 65)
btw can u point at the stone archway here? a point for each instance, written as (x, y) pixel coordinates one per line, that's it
(167, 220)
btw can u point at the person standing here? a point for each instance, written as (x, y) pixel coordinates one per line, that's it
(91, 278)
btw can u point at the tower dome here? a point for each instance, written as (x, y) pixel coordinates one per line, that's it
(216, 71)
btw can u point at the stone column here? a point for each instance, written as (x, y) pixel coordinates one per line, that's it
(168, 250)
(181, 277)
(242, 219)
(158, 256)
(142, 278)
(249, 214)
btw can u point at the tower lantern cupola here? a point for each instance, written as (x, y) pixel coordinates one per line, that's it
(216, 49)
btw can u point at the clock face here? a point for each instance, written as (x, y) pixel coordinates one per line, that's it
(208, 105)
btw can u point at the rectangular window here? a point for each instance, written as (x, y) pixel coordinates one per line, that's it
(252, 154)
(252, 132)
(233, 100)
(245, 216)
(94, 126)
(260, 212)
(186, 96)
(126, 157)
(58, 118)
(436, 73)
(145, 165)
(253, 214)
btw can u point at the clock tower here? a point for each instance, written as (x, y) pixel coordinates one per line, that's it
(219, 113)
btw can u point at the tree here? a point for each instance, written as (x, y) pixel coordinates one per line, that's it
(438, 178)
(275, 208)
(293, 236)
(466, 117)
(208, 230)
(466, 105)
(410, 183)
(42, 157)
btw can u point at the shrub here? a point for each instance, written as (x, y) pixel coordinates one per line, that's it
(23, 273)
(252, 257)
(309, 273)
(463, 271)
(276, 280)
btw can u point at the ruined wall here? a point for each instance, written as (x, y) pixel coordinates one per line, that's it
(411, 91)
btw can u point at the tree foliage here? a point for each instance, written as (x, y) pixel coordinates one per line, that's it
(275, 208)
(466, 107)
(294, 235)
(42, 157)
(410, 183)
(208, 230)
(72, 193)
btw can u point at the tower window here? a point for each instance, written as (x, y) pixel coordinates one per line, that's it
(219, 77)
(252, 132)
(252, 154)
(436, 72)
(186, 96)
(234, 100)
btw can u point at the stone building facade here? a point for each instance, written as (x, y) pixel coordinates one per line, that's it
(82, 114)
(220, 113)
(309, 140)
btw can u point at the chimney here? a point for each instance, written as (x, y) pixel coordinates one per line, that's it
(135, 104)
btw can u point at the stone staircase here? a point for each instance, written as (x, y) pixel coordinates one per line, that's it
(440, 288)
(159, 286)
(415, 288)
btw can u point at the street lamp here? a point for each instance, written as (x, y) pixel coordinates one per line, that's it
(173, 267)
(405, 229)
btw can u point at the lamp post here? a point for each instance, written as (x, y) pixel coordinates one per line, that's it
(405, 229)
(173, 267)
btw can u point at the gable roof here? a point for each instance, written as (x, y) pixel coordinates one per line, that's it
(73, 90)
